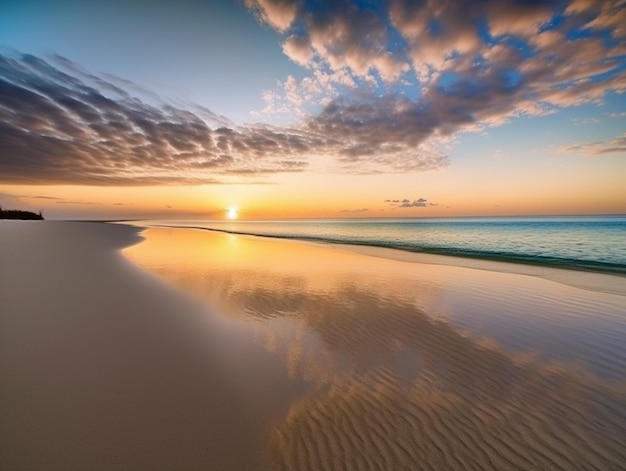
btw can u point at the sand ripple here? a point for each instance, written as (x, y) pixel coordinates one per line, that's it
(390, 387)
(468, 407)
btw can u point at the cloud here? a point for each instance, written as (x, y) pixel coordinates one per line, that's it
(56, 127)
(277, 13)
(43, 197)
(586, 121)
(597, 148)
(389, 84)
(339, 33)
(407, 203)
(59, 124)
(358, 210)
(404, 73)
(78, 202)
(388, 132)
(394, 36)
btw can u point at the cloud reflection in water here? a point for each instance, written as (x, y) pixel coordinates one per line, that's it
(390, 383)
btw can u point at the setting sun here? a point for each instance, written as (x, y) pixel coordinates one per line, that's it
(232, 213)
(313, 234)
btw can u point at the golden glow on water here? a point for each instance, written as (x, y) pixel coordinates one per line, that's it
(390, 364)
(196, 253)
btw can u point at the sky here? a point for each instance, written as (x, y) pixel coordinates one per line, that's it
(318, 108)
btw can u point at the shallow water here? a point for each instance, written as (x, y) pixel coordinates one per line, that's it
(585, 243)
(395, 365)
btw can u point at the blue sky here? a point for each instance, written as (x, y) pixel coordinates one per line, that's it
(369, 95)
(212, 53)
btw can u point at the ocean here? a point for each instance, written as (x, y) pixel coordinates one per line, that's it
(593, 243)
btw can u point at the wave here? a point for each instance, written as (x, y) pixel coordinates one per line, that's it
(490, 255)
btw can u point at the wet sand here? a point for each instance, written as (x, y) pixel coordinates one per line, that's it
(267, 354)
(406, 365)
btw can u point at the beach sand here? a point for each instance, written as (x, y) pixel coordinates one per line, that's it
(273, 354)
(106, 368)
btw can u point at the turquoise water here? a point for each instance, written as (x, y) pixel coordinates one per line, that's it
(583, 243)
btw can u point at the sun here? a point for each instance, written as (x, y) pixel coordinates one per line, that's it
(231, 213)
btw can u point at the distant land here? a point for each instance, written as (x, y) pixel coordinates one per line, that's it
(19, 214)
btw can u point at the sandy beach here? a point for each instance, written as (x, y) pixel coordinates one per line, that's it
(106, 368)
(199, 350)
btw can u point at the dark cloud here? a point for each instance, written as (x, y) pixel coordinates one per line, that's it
(387, 131)
(60, 124)
(61, 128)
(407, 203)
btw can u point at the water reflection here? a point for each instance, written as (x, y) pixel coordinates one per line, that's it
(392, 384)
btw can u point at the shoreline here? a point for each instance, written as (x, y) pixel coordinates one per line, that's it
(472, 298)
(506, 370)
(203, 350)
(593, 280)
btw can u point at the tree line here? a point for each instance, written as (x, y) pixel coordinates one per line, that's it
(19, 214)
